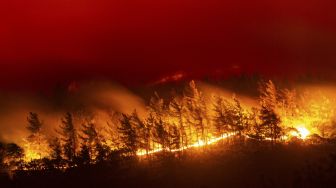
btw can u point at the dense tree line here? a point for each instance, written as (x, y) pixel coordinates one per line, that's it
(170, 125)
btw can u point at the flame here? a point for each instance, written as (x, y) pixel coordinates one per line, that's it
(199, 143)
(31, 155)
(303, 132)
(34, 151)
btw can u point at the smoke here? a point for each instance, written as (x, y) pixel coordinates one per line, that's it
(107, 96)
(97, 98)
(210, 90)
(316, 91)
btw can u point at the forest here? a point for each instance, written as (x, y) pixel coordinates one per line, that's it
(188, 124)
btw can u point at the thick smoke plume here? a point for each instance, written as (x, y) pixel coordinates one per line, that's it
(96, 98)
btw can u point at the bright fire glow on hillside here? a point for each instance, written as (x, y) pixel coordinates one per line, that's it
(197, 144)
(303, 132)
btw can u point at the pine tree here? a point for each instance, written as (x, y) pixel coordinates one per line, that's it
(157, 121)
(255, 130)
(69, 137)
(269, 95)
(150, 123)
(56, 149)
(93, 143)
(128, 135)
(156, 106)
(197, 112)
(270, 123)
(270, 120)
(228, 116)
(35, 138)
(240, 119)
(89, 138)
(219, 119)
(160, 134)
(143, 131)
(84, 155)
(174, 135)
(112, 137)
(13, 156)
(34, 123)
(176, 112)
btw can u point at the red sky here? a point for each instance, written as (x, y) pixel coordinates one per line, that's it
(44, 42)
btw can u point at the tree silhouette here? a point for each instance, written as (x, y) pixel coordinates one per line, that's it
(176, 113)
(13, 155)
(89, 138)
(34, 123)
(69, 137)
(197, 112)
(35, 138)
(160, 134)
(92, 143)
(229, 116)
(56, 150)
(254, 129)
(128, 135)
(270, 120)
(143, 132)
(269, 95)
(240, 119)
(270, 123)
(84, 155)
(223, 116)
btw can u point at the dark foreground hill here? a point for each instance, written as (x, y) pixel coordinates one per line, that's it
(293, 165)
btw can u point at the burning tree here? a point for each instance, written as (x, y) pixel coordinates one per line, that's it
(176, 112)
(229, 116)
(143, 131)
(174, 138)
(11, 156)
(270, 120)
(223, 116)
(36, 144)
(128, 135)
(197, 112)
(69, 138)
(56, 151)
(160, 135)
(239, 117)
(91, 144)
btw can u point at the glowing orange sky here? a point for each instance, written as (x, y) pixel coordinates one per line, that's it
(45, 42)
